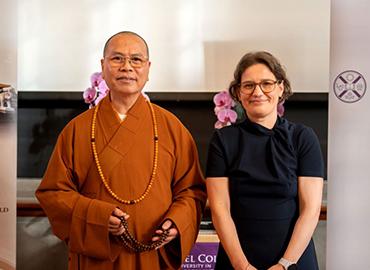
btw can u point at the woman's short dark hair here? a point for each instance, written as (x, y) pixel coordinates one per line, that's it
(266, 59)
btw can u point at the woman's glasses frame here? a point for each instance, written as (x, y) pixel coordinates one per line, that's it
(266, 86)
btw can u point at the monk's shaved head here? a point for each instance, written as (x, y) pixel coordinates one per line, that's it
(125, 33)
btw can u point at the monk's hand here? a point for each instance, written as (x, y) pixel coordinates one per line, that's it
(172, 233)
(114, 226)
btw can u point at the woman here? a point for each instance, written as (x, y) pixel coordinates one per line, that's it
(264, 177)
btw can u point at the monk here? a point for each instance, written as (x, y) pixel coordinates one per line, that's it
(123, 187)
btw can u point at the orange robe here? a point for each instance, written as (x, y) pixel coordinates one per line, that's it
(78, 205)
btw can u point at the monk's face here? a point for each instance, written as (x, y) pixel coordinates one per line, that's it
(125, 65)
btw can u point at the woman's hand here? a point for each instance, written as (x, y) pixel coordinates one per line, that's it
(114, 226)
(173, 232)
(276, 267)
(245, 266)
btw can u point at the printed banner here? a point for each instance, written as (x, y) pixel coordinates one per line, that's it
(348, 234)
(8, 160)
(202, 256)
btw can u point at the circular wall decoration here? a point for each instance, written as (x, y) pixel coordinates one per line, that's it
(349, 86)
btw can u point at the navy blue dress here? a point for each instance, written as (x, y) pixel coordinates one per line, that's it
(263, 166)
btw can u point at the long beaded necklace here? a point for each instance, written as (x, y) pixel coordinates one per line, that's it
(100, 171)
(129, 242)
(126, 238)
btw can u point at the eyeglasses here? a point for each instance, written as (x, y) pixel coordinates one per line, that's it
(266, 86)
(136, 61)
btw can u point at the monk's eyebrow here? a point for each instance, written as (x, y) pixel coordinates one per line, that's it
(134, 54)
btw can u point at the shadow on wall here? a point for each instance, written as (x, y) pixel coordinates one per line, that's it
(38, 130)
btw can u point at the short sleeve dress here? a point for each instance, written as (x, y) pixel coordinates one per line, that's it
(263, 166)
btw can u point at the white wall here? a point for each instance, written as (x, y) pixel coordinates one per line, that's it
(8, 42)
(8, 131)
(349, 132)
(195, 44)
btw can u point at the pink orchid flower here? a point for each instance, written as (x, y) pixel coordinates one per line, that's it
(89, 94)
(280, 109)
(98, 99)
(218, 109)
(96, 78)
(103, 87)
(227, 115)
(223, 99)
